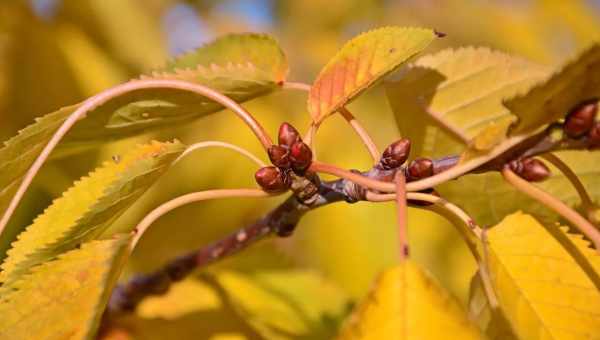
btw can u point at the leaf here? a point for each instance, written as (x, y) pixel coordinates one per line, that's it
(492, 321)
(553, 98)
(541, 289)
(64, 298)
(89, 207)
(461, 91)
(361, 63)
(286, 304)
(406, 303)
(242, 72)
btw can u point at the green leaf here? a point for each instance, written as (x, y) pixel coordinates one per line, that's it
(89, 207)
(541, 289)
(242, 66)
(461, 91)
(553, 98)
(64, 298)
(286, 304)
(406, 303)
(361, 63)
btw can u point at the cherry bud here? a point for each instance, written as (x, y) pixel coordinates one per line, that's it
(288, 135)
(301, 156)
(581, 119)
(395, 155)
(594, 135)
(419, 168)
(279, 156)
(530, 169)
(270, 179)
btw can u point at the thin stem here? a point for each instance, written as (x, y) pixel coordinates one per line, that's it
(402, 215)
(191, 198)
(103, 97)
(309, 138)
(555, 204)
(366, 182)
(348, 116)
(586, 201)
(362, 133)
(225, 145)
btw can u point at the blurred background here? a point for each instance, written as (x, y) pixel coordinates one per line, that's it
(58, 52)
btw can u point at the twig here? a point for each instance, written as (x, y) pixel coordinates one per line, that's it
(402, 215)
(103, 97)
(586, 201)
(164, 208)
(225, 145)
(555, 204)
(370, 183)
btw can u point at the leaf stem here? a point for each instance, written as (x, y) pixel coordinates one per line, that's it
(220, 144)
(365, 137)
(402, 215)
(177, 202)
(586, 201)
(366, 182)
(103, 97)
(555, 204)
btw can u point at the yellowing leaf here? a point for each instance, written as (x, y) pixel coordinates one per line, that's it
(89, 207)
(462, 91)
(408, 304)
(286, 304)
(64, 298)
(541, 289)
(240, 66)
(492, 321)
(361, 63)
(553, 98)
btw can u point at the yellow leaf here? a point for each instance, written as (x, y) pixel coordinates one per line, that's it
(541, 289)
(408, 304)
(462, 91)
(64, 298)
(361, 63)
(89, 207)
(554, 97)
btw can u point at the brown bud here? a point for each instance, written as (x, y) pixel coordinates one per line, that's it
(581, 119)
(419, 168)
(395, 154)
(288, 135)
(270, 179)
(279, 156)
(301, 156)
(594, 135)
(530, 169)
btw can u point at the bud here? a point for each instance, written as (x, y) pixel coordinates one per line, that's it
(301, 156)
(279, 156)
(530, 169)
(581, 119)
(594, 135)
(395, 155)
(419, 168)
(288, 135)
(270, 179)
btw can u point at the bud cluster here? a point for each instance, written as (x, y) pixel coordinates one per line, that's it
(292, 154)
(530, 169)
(581, 121)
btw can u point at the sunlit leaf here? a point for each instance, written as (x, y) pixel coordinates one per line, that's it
(361, 63)
(89, 207)
(286, 304)
(541, 289)
(492, 321)
(461, 91)
(406, 303)
(553, 98)
(64, 298)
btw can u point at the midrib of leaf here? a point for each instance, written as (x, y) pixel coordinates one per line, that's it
(89, 207)
(65, 296)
